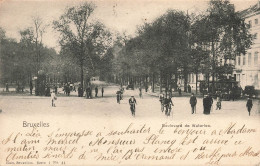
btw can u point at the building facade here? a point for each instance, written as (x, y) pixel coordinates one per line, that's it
(247, 67)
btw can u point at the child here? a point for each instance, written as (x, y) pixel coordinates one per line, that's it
(249, 105)
(53, 98)
(218, 103)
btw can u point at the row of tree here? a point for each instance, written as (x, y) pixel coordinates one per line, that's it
(22, 61)
(177, 44)
(171, 47)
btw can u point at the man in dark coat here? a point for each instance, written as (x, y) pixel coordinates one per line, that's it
(31, 87)
(193, 102)
(88, 91)
(6, 87)
(189, 88)
(249, 105)
(118, 96)
(96, 91)
(80, 91)
(102, 91)
(179, 90)
(132, 103)
(207, 105)
(55, 89)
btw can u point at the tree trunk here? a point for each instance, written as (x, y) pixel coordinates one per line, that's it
(81, 74)
(196, 82)
(153, 83)
(213, 67)
(160, 82)
(185, 74)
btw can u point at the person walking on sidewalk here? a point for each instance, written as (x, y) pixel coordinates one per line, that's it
(218, 105)
(161, 99)
(53, 98)
(96, 91)
(102, 91)
(249, 105)
(193, 102)
(118, 96)
(140, 92)
(132, 103)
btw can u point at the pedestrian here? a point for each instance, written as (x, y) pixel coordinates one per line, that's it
(161, 99)
(189, 88)
(53, 98)
(207, 105)
(140, 92)
(55, 89)
(102, 91)
(132, 103)
(179, 90)
(218, 105)
(6, 87)
(193, 102)
(88, 92)
(168, 103)
(118, 96)
(31, 87)
(68, 90)
(80, 91)
(249, 105)
(96, 91)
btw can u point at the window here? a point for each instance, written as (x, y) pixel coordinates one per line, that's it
(256, 59)
(244, 60)
(249, 59)
(250, 24)
(256, 21)
(238, 60)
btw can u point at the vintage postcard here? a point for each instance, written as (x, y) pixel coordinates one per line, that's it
(129, 82)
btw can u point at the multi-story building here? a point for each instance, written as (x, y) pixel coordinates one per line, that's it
(247, 67)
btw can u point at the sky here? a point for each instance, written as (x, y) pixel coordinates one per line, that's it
(118, 15)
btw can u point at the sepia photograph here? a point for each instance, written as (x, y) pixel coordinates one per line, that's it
(121, 82)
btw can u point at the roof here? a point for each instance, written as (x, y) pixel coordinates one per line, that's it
(251, 10)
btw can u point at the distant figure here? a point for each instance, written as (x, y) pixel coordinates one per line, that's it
(140, 92)
(132, 102)
(96, 91)
(88, 91)
(249, 105)
(80, 90)
(161, 99)
(6, 87)
(179, 90)
(211, 100)
(207, 105)
(53, 98)
(118, 96)
(146, 87)
(68, 89)
(193, 102)
(189, 88)
(55, 89)
(102, 91)
(168, 105)
(218, 105)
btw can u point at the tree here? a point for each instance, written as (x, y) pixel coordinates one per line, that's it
(227, 32)
(85, 40)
